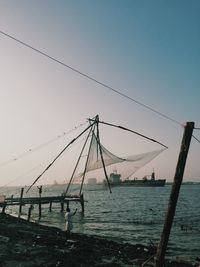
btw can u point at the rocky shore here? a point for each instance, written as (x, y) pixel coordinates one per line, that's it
(26, 244)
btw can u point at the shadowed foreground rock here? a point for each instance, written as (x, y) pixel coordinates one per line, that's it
(26, 244)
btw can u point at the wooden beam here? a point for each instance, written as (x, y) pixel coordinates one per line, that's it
(162, 247)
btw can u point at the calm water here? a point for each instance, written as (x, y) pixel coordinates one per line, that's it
(132, 214)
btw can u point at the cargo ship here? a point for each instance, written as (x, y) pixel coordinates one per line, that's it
(115, 180)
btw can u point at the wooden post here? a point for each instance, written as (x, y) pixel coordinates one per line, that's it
(29, 211)
(40, 205)
(21, 197)
(62, 206)
(4, 208)
(162, 247)
(82, 202)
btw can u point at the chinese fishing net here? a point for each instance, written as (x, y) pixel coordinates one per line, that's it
(126, 166)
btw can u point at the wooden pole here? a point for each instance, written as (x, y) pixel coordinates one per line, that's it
(40, 205)
(29, 211)
(101, 154)
(86, 164)
(21, 197)
(62, 206)
(162, 247)
(82, 203)
(4, 208)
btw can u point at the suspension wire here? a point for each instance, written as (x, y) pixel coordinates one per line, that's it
(7, 191)
(80, 155)
(71, 142)
(91, 78)
(32, 150)
(28, 172)
(196, 128)
(126, 129)
(25, 174)
(196, 139)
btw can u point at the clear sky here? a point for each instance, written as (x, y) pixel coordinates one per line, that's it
(148, 50)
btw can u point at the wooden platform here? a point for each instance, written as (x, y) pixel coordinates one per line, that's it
(22, 201)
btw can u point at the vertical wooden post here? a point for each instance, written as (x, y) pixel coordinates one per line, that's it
(29, 211)
(162, 247)
(40, 205)
(21, 197)
(62, 206)
(82, 202)
(4, 208)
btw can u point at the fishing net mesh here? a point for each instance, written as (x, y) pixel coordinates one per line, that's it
(126, 166)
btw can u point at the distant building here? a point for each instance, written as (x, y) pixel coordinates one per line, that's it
(55, 182)
(92, 181)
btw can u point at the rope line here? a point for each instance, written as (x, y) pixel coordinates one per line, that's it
(196, 138)
(29, 172)
(126, 129)
(32, 150)
(61, 152)
(24, 174)
(91, 78)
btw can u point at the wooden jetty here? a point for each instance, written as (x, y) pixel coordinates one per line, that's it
(41, 200)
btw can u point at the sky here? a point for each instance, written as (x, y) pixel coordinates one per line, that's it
(146, 50)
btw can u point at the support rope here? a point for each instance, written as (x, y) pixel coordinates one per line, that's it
(91, 78)
(32, 150)
(58, 156)
(126, 129)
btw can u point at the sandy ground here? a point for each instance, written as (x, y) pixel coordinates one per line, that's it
(26, 244)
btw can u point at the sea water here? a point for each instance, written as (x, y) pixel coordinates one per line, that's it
(129, 214)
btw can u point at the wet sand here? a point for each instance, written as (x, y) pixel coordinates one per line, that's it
(27, 244)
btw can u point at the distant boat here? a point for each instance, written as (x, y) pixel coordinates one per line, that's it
(115, 180)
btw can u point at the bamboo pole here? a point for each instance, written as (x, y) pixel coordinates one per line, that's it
(162, 247)
(101, 154)
(72, 176)
(86, 163)
(70, 143)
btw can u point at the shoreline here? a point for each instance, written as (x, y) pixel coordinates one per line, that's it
(28, 244)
